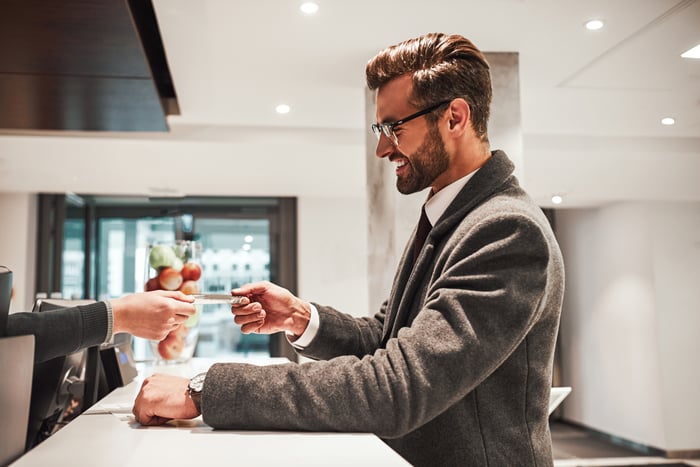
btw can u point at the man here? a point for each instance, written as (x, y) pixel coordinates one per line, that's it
(455, 368)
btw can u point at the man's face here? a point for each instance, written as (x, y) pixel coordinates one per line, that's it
(420, 156)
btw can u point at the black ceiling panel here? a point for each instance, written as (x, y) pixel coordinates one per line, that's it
(83, 65)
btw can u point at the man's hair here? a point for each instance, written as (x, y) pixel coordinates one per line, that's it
(443, 67)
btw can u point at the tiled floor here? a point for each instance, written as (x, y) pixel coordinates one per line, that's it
(574, 447)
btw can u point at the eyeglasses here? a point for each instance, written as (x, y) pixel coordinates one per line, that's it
(388, 128)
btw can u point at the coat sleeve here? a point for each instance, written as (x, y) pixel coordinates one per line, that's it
(63, 331)
(342, 334)
(477, 310)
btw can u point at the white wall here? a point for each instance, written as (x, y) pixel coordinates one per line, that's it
(18, 212)
(333, 253)
(676, 256)
(630, 332)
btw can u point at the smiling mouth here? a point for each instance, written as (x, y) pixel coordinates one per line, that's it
(399, 164)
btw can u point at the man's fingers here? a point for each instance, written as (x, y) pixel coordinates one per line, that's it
(239, 300)
(251, 289)
(249, 318)
(245, 310)
(252, 327)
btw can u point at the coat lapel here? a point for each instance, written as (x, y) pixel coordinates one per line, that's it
(409, 278)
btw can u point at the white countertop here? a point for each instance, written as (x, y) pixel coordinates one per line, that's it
(107, 435)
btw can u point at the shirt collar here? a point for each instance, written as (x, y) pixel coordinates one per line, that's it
(437, 204)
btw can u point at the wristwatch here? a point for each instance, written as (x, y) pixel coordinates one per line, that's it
(194, 390)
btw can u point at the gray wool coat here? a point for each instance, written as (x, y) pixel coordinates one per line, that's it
(456, 367)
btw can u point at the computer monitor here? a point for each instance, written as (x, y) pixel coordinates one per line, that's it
(5, 297)
(16, 363)
(66, 386)
(60, 387)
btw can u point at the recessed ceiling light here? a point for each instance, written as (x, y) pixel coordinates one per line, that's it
(556, 199)
(692, 53)
(309, 8)
(283, 109)
(668, 121)
(594, 25)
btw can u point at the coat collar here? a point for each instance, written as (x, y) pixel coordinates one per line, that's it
(485, 182)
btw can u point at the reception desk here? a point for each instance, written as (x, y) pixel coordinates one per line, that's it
(107, 436)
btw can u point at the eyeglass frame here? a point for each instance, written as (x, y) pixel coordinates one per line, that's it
(388, 128)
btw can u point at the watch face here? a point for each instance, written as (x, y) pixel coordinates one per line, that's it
(197, 383)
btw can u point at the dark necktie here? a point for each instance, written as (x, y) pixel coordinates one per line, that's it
(421, 234)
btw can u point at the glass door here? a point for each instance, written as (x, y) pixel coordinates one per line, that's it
(104, 240)
(234, 252)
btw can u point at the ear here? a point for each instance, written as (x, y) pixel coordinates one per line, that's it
(458, 116)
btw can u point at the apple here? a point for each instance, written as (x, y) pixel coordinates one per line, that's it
(194, 319)
(169, 279)
(152, 284)
(181, 331)
(171, 347)
(189, 287)
(177, 264)
(161, 256)
(191, 272)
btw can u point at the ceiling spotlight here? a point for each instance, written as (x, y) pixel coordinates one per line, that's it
(309, 8)
(692, 53)
(246, 247)
(556, 199)
(248, 239)
(594, 25)
(283, 109)
(668, 121)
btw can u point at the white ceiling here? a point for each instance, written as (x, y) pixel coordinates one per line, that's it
(591, 101)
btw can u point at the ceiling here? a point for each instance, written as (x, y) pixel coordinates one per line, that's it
(591, 101)
(233, 61)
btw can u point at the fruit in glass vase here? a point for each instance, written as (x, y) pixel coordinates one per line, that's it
(181, 331)
(152, 284)
(189, 287)
(171, 347)
(193, 319)
(169, 278)
(191, 271)
(161, 256)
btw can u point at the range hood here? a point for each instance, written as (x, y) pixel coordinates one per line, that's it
(83, 65)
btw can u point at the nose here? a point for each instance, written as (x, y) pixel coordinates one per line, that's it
(384, 147)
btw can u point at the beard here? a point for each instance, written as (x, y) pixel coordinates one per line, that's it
(428, 162)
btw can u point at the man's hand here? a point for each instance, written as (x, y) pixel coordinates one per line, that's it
(269, 309)
(152, 315)
(163, 397)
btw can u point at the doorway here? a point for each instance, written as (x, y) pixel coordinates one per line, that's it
(96, 248)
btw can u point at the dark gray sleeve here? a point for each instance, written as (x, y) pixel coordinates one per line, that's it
(342, 334)
(61, 332)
